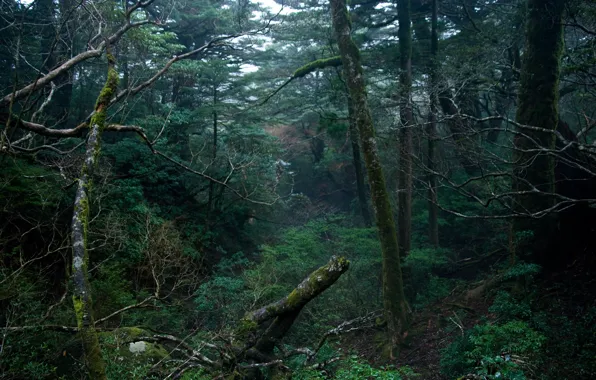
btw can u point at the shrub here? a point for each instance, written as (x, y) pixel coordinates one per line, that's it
(505, 351)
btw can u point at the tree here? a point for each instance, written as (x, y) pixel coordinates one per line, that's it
(537, 115)
(395, 305)
(83, 304)
(406, 128)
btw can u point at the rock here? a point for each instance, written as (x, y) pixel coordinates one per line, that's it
(137, 347)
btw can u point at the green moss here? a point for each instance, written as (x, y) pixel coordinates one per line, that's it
(107, 93)
(79, 308)
(246, 327)
(293, 298)
(156, 351)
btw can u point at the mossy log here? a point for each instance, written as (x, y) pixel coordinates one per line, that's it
(317, 282)
(284, 312)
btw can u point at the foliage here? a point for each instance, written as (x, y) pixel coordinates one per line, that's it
(205, 252)
(498, 351)
(350, 367)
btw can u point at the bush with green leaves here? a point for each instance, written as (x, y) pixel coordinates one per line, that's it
(356, 369)
(507, 351)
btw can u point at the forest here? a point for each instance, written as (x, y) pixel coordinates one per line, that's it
(298, 189)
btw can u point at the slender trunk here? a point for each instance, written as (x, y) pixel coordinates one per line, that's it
(405, 133)
(213, 156)
(175, 89)
(394, 302)
(504, 100)
(360, 186)
(433, 209)
(83, 304)
(538, 107)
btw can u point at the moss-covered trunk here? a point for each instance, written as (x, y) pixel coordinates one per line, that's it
(404, 222)
(83, 304)
(538, 107)
(433, 208)
(395, 306)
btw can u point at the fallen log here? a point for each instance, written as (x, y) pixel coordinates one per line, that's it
(251, 347)
(287, 309)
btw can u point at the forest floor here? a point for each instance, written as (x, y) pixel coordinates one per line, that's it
(434, 328)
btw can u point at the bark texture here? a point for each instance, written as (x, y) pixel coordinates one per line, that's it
(83, 304)
(538, 107)
(395, 306)
(404, 222)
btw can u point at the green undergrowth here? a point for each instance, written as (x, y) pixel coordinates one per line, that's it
(527, 334)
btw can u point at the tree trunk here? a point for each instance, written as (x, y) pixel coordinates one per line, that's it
(404, 222)
(538, 107)
(433, 208)
(360, 186)
(395, 305)
(82, 291)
